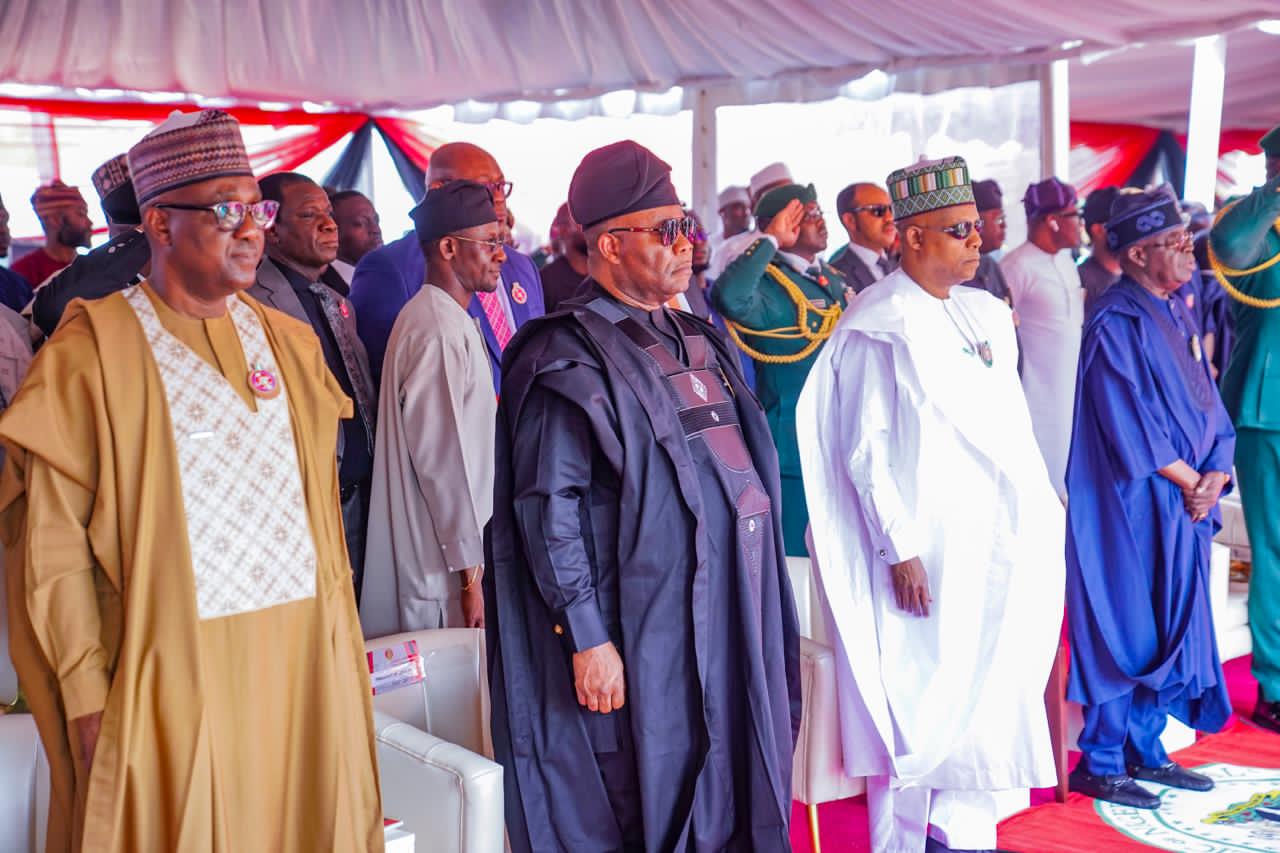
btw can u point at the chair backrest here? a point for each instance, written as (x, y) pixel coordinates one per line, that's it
(452, 702)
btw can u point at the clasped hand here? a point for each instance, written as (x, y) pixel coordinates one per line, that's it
(1201, 498)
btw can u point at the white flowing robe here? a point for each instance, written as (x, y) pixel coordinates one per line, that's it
(432, 488)
(1049, 299)
(910, 447)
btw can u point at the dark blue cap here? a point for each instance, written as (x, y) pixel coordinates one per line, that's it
(451, 208)
(1135, 216)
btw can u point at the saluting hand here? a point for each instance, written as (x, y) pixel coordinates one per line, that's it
(785, 227)
(911, 586)
(598, 678)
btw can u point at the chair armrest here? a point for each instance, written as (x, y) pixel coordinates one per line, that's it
(448, 797)
(818, 766)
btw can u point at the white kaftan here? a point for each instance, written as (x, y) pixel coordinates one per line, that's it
(1049, 299)
(912, 447)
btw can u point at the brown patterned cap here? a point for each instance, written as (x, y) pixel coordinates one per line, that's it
(111, 175)
(186, 149)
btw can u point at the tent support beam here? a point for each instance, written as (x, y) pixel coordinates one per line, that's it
(1055, 121)
(1204, 119)
(703, 161)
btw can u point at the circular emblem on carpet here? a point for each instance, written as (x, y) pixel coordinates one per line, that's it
(1237, 815)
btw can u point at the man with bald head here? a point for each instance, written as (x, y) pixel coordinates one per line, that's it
(182, 618)
(867, 217)
(643, 636)
(387, 278)
(937, 536)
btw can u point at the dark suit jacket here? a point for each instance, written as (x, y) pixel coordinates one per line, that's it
(387, 278)
(855, 272)
(273, 289)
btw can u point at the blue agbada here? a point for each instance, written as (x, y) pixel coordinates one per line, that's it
(1137, 567)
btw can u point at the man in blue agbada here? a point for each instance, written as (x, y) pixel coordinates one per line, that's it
(1150, 454)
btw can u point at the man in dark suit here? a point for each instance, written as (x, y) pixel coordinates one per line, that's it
(298, 278)
(867, 216)
(387, 278)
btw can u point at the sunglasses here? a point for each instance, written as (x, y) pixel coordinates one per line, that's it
(877, 210)
(667, 230)
(960, 231)
(230, 214)
(1179, 243)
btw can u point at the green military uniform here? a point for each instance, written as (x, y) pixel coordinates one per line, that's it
(1246, 237)
(748, 294)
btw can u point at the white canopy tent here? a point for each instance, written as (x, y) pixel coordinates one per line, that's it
(501, 58)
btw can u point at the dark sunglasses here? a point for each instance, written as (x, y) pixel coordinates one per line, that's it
(961, 230)
(667, 230)
(230, 214)
(877, 210)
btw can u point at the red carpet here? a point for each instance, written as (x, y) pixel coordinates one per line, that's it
(1074, 827)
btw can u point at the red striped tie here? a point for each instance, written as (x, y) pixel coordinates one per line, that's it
(497, 318)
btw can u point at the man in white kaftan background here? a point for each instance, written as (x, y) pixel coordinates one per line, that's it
(937, 533)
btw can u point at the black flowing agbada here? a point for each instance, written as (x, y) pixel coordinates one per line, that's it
(608, 525)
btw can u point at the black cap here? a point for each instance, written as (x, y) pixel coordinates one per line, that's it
(619, 179)
(1097, 207)
(988, 195)
(451, 208)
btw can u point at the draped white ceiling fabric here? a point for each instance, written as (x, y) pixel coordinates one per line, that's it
(410, 54)
(1151, 84)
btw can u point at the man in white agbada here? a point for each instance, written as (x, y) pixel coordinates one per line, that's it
(1049, 299)
(936, 532)
(433, 466)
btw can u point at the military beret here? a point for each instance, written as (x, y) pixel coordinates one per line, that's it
(451, 208)
(1270, 142)
(772, 202)
(618, 179)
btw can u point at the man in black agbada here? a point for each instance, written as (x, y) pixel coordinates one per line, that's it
(642, 632)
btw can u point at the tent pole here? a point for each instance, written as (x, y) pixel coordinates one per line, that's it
(703, 161)
(1204, 119)
(1055, 121)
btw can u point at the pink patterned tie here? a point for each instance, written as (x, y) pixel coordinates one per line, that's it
(497, 318)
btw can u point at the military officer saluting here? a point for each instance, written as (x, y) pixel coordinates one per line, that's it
(781, 303)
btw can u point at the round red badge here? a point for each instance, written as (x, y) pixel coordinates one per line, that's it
(264, 384)
(519, 294)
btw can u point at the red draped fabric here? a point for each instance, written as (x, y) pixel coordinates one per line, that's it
(416, 144)
(302, 136)
(1107, 154)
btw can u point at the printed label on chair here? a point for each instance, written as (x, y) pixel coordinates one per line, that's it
(394, 667)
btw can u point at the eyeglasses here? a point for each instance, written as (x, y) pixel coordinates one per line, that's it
(1180, 243)
(960, 231)
(1000, 220)
(667, 229)
(1069, 213)
(813, 215)
(877, 210)
(230, 214)
(494, 244)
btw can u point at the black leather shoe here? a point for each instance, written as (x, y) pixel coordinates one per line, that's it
(1174, 775)
(1267, 714)
(1119, 789)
